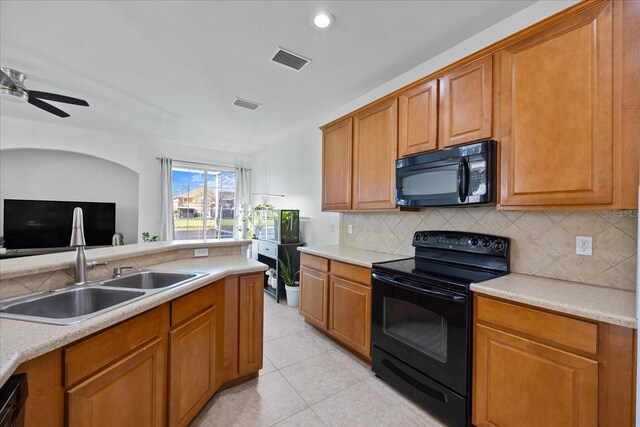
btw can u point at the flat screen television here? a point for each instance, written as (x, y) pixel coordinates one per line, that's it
(35, 224)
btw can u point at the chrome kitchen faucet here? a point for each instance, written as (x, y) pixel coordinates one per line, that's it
(81, 265)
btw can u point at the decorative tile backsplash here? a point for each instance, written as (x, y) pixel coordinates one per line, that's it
(57, 279)
(542, 243)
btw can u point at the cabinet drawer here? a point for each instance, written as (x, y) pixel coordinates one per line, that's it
(545, 327)
(92, 354)
(268, 249)
(356, 273)
(192, 303)
(314, 262)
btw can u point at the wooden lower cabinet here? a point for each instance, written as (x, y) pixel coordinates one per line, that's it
(337, 300)
(129, 392)
(533, 367)
(522, 383)
(314, 297)
(350, 314)
(250, 332)
(158, 368)
(192, 367)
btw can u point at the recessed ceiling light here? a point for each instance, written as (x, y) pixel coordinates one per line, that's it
(322, 19)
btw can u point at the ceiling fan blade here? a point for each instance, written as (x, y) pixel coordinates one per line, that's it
(47, 107)
(6, 81)
(57, 98)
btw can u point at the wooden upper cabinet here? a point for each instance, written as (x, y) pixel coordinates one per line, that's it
(337, 146)
(418, 119)
(556, 114)
(375, 147)
(466, 103)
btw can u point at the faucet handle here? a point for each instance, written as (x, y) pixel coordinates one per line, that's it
(93, 264)
(117, 271)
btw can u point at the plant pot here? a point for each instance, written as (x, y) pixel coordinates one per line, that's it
(293, 295)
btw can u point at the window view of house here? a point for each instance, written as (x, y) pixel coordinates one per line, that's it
(204, 203)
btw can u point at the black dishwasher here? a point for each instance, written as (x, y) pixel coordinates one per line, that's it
(13, 396)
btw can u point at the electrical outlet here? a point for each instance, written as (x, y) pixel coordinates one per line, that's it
(584, 245)
(350, 228)
(201, 252)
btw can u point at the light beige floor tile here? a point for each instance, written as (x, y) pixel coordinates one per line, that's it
(306, 418)
(371, 403)
(295, 348)
(281, 327)
(324, 375)
(260, 402)
(267, 366)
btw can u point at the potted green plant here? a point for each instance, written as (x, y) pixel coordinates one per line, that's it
(147, 237)
(288, 274)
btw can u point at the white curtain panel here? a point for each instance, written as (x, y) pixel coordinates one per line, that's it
(243, 208)
(166, 201)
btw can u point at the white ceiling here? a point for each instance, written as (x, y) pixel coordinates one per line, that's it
(170, 70)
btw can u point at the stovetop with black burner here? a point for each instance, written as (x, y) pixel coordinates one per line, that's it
(452, 259)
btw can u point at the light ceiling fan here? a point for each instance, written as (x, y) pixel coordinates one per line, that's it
(12, 83)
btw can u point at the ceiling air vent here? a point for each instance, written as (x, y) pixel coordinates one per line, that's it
(246, 104)
(290, 59)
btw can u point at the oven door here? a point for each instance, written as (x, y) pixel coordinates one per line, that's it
(424, 326)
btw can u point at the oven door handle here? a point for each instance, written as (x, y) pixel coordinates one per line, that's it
(418, 287)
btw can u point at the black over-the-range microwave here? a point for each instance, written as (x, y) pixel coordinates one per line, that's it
(456, 176)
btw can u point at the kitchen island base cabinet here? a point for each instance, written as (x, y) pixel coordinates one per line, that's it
(251, 306)
(130, 392)
(192, 372)
(158, 368)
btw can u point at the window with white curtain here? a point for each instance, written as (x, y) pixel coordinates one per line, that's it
(204, 202)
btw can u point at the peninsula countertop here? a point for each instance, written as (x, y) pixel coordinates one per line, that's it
(21, 341)
(13, 267)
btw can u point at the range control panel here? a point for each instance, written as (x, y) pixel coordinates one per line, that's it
(462, 241)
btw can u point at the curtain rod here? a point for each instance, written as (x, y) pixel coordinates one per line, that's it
(202, 164)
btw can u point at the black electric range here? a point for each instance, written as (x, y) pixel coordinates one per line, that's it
(422, 317)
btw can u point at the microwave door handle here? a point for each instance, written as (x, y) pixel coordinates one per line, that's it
(463, 184)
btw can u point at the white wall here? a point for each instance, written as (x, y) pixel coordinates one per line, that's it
(35, 174)
(293, 168)
(293, 165)
(134, 153)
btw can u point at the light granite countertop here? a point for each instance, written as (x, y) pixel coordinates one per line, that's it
(350, 255)
(13, 267)
(608, 305)
(21, 341)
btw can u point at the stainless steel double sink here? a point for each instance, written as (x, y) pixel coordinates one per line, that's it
(77, 303)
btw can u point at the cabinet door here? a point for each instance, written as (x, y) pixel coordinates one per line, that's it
(375, 147)
(465, 103)
(192, 373)
(557, 119)
(250, 312)
(418, 119)
(350, 314)
(518, 382)
(337, 141)
(314, 297)
(130, 392)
